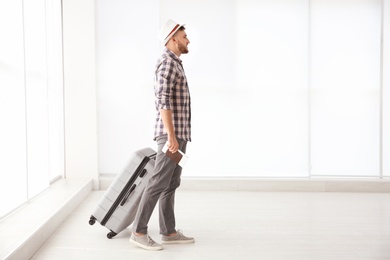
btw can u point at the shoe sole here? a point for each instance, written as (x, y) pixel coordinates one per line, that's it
(149, 248)
(178, 242)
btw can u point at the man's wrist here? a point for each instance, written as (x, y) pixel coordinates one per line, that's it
(171, 136)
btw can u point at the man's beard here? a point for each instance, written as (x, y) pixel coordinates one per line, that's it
(183, 49)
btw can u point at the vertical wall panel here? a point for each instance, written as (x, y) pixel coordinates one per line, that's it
(272, 51)
(386, 89)
(127, 49)
(80, 89)
(345, 87)
(55, 87)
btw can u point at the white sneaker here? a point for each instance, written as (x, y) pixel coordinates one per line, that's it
(145, 242)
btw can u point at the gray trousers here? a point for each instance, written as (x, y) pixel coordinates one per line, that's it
(161, 187)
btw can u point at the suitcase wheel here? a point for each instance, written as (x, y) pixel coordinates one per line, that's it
(92, 220)
(111, 235)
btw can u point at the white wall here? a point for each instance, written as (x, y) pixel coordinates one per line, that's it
(345, 87)
(80, 89)
(55, 81)
(127, 47)
(279, 88)
(386, 89)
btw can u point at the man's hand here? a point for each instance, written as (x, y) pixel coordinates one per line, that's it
(172, 144)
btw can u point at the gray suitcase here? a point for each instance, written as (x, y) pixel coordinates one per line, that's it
(117, 208)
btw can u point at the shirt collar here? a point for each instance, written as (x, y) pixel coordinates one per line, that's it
(172, 55)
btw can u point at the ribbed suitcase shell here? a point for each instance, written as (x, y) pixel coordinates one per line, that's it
(117, 208)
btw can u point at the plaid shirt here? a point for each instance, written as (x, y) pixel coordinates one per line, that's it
(172, 93)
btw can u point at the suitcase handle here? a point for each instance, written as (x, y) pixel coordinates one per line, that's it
(132, 188)
(153, 156)
(128, 194)
(143, 173)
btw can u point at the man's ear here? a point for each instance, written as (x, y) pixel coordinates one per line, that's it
(174, 39)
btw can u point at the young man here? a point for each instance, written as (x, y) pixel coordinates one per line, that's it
(172, 126)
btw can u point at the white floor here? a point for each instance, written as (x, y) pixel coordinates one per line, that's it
(244, 225)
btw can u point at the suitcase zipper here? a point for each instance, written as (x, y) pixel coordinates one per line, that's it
(126, 190)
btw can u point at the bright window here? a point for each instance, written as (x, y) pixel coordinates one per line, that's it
(31, 93)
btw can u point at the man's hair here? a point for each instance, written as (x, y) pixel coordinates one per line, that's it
(180, 29)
